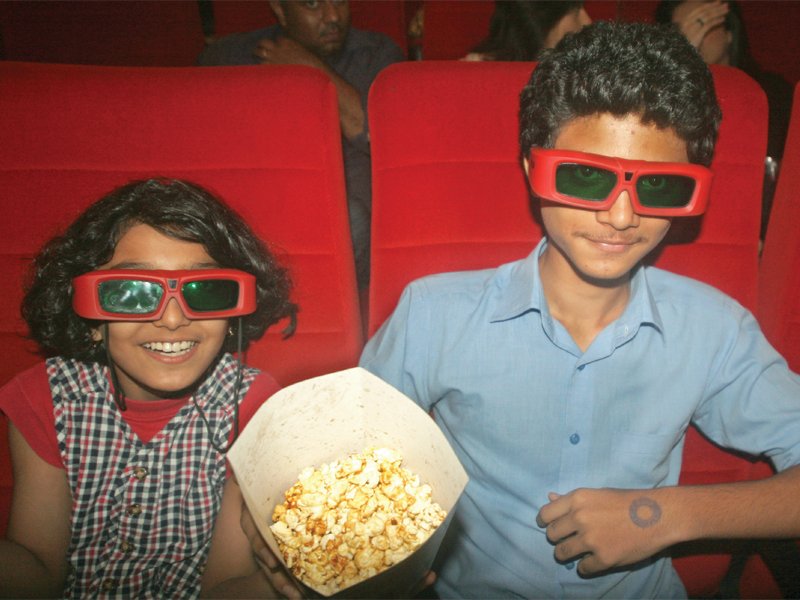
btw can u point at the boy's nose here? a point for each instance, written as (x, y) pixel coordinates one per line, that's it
(621, 214)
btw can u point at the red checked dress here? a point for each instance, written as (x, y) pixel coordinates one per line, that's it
(146, 484)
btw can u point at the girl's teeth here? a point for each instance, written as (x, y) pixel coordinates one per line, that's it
(170, 347)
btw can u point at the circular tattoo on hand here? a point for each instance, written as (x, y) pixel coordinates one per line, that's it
(645, 512)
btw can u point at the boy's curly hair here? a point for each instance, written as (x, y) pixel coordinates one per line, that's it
(178, 209)
(622, 69)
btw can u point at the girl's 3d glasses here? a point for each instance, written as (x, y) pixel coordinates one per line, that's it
(142, 295)
(593, 181)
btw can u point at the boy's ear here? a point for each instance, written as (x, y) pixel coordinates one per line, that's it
(97, 335)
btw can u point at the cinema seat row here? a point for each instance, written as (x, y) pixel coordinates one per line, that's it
(172, 32)
(448, 194)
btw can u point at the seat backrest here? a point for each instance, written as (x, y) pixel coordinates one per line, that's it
(102, 32)
(269, 145)
(449, 194)
(779, 292)
(453, 27)
(448, 191)
(386, 16)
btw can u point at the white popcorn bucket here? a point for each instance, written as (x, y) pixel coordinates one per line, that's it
(328, 418)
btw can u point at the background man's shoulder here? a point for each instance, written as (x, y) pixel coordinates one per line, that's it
(375, 42)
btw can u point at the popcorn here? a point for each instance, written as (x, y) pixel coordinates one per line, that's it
(353, 518)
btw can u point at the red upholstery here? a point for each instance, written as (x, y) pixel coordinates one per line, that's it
(779, 294)
(270, 145)
(133, 32)
(448, 194)
(233, 16)
(386, 16)
(454, 27)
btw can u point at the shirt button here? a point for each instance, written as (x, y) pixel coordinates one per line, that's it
(134, 510)
(574, 439)
(108, 585)
(580, 367)
(126, 547)
(140, 473)
(570, 565)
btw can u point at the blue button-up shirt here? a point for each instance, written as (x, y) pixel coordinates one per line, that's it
(527, 412)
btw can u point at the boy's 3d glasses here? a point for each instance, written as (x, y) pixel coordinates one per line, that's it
(593, 181)
(142, 295)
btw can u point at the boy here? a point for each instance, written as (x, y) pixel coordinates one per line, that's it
(566, 381)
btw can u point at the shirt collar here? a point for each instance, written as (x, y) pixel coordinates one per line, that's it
(523, 289)
(523, 292)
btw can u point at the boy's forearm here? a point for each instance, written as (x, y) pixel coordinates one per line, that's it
(766, 508)
(608, 528)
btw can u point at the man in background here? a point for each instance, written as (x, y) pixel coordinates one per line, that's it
(318, 34)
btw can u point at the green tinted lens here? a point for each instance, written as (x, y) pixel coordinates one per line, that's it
(584, 182)
(667, 191)
(208, 295)
(128, 296)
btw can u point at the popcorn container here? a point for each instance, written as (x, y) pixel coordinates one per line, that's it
(328, 418)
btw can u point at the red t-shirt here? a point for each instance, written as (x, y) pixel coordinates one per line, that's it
(28, 403)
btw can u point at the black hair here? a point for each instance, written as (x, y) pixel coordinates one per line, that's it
(739, 51)
(178, 209)
(621, 69)
(518, 28)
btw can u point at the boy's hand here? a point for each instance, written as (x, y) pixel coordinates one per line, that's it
(271, 566)
(604, 528)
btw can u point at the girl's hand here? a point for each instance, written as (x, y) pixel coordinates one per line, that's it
(269, 563)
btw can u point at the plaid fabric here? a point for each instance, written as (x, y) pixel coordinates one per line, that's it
(142, 513)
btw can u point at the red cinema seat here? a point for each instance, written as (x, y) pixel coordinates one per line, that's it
(234, 16)
(779, 315)
(269, 145)
(449, 194)
(102, 32)
(779, 292)
(386, 16)
(453, 27)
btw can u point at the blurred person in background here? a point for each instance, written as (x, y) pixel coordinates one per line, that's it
(521, 29)
(717, 30)
(318, 34)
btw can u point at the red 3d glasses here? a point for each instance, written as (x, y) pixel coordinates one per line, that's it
(594, 182)
(142, 295)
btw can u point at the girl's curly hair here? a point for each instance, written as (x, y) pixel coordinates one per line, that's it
(178, 209)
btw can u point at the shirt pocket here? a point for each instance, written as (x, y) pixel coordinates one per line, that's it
(640, 459)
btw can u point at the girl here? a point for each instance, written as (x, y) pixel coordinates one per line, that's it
(521, 29)
(118, 440)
